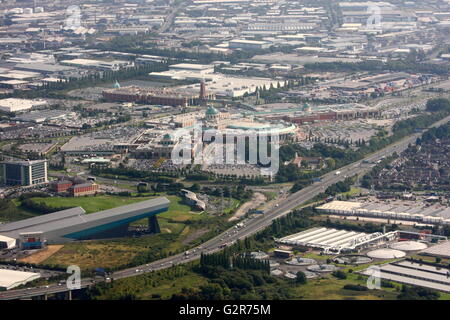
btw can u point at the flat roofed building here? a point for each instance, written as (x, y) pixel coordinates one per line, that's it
(10, 279)
(248, 44)
(32, 240)
(13, 104)
(380, 211)
(99, 64)
(45, 68)
(7, 242)
(441, 250)
(417, 274)
(83, 189)
(333, 240)
(61, 185)
(24, 173)
(202, 68)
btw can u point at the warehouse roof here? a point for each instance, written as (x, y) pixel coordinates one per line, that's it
(11, 278)
(248, 41)
(16, 103)
(340, 205)
(6, 239)
(439, 250)
(44, 67)
(408, 280)
(190, 66)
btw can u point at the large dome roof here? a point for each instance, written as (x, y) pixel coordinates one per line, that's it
(408, 246)
(212, 111)
(386, 254)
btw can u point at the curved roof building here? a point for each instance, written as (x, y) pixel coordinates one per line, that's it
(268, 129)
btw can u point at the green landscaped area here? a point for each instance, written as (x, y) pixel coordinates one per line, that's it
(353, 192)
(157, 285)
(331, 288)
(90, 255)
(163, 284)
(90, 204)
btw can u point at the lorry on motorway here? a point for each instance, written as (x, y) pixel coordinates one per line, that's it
(337, 173)
(100, 271)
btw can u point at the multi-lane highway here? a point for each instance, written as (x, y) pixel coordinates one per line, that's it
(168, 21)
(247, 227)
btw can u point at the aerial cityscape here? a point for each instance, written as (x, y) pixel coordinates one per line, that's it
(224, 150)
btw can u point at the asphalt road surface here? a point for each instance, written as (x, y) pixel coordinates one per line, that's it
(248, 227)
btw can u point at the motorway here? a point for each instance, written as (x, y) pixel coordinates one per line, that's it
(168, 21)
(248, 227)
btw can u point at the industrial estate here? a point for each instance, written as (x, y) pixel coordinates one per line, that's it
(224, 150)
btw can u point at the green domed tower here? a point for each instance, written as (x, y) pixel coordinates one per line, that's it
(211, 113)
(306, 108)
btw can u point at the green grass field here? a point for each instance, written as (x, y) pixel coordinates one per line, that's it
(12, 212)
(353, 192)
(90, 204)
(157, 285)
(331, 288)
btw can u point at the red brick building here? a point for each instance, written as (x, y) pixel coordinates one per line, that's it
(84, 189)
(61, 186)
